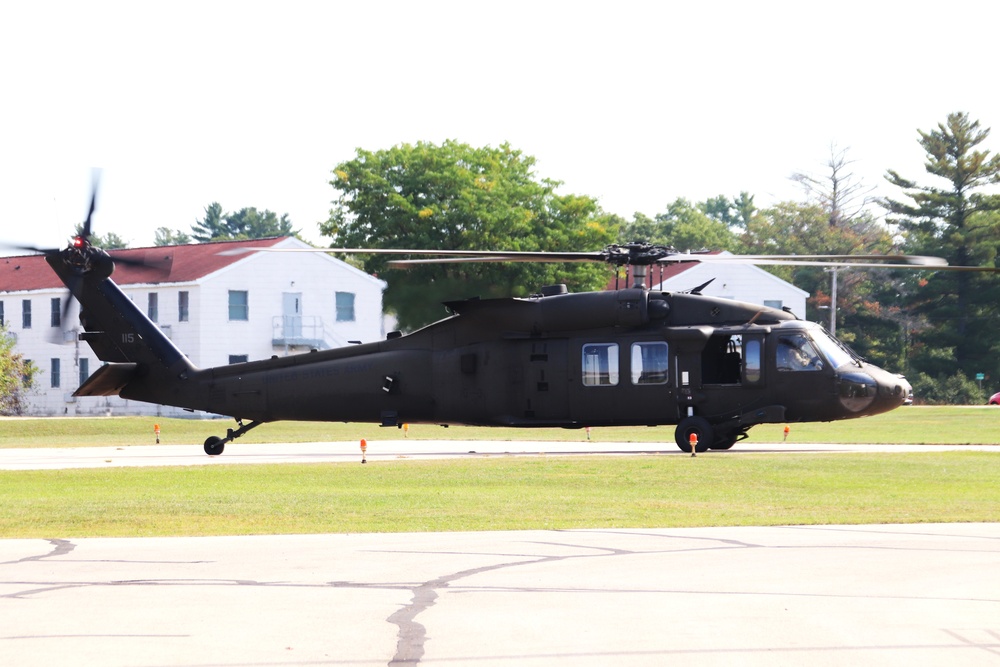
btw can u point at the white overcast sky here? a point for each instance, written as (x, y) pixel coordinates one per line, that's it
(635, 103)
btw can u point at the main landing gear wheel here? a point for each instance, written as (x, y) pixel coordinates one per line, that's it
(214, 445)
(700, 427)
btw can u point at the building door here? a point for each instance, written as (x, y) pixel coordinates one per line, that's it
(291, 311)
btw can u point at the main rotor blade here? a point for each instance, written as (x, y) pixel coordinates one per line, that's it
(921, 260)
(483, 255)
(622, 255)
(930, 266)
(410, 263)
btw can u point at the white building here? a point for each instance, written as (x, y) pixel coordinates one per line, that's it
(732, 280)
(218, 309)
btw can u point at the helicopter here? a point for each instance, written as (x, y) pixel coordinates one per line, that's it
(712, 367)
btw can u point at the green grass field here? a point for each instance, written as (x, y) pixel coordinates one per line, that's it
(504, 493)
(910, 425)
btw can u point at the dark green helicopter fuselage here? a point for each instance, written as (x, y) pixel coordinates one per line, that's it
(713, 366)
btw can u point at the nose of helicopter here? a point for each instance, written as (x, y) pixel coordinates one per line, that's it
(872, 390)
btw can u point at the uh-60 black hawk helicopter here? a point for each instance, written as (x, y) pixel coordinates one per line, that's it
(714, 367)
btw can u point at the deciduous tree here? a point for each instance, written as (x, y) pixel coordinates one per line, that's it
(458, 197)
(17, 376)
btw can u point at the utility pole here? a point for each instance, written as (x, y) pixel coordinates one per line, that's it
(833, 299)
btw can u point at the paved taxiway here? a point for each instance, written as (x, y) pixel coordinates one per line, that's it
(817, 595)
(382, 450)
(820, 595)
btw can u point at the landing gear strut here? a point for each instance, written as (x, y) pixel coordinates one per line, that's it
(215, 445)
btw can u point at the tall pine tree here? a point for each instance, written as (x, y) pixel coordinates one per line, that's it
(957, 219)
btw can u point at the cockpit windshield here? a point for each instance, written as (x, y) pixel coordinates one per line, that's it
(834, 351)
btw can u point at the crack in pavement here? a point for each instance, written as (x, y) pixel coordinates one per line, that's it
(59, 548)
(412, 635)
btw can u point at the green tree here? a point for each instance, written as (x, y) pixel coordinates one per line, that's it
(735, 213)
(247, 223)
(109, 241)
(865, 316)
(684, 226)
(458, 197)
(956, 219)
(17, 376)
(166, 236)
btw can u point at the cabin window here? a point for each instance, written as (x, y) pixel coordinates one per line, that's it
(751, 360)
(55, 373)
(238, 358)
(239, 305)
(600, 364)
(26, 314)
(722, 360)
(345, 306)
(153, 306)
(55, 315)
(183, 307)
(649, 363)
(774, 303)
(84, 369)
(796, 352)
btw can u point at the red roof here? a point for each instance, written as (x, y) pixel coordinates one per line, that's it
(185, 263)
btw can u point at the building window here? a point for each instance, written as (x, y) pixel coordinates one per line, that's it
(239, 358)
(55, 373)
(26, 314)
(345, 306)
(239, 305)
(2, 322)
(84, 369)
(55, 318)
(183, 308)
(153, 308)
(600, 364)
(649, 363)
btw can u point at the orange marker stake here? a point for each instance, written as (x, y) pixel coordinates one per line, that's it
(693, 440)
(156, 430)
(787, 430)
(364, 450)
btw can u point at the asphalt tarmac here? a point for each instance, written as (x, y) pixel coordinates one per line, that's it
(818, 595)
(830, 595)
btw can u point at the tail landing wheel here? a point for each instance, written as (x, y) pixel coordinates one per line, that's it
(214, 446)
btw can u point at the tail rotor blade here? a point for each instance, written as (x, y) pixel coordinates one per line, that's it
(85, 233)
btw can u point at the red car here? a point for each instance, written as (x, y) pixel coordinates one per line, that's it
(995, 399)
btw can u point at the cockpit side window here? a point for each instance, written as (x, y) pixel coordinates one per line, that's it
(795, 352)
